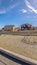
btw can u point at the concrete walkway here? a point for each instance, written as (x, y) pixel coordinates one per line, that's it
(6, 61)
(11, 58)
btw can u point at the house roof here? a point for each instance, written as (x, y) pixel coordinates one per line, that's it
(9, 26)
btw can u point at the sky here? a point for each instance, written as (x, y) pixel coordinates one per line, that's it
(17, 12)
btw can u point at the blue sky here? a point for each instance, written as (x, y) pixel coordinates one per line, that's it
(17, 12)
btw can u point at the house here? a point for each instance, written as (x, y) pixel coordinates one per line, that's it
(35, 28)
(26, 27)
(9, 28)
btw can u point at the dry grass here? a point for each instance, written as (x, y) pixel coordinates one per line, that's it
(15, 44)
(30, 39)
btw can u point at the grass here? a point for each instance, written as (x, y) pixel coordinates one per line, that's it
(21, 33)
(14, 43)
(30, 39)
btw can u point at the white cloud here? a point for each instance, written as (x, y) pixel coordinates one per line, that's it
(12, 6)
(8, 9)
(2, 11)
(30, 6)
(23, 11)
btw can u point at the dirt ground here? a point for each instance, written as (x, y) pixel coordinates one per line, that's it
(14, 43)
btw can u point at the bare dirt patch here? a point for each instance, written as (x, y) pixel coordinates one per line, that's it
(14, 43)
(30, 40)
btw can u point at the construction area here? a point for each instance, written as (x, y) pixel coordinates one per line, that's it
(15, 43)
(21, 41)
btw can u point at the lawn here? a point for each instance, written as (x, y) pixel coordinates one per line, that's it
(14, 43)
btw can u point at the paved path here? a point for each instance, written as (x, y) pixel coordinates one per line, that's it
(10, 58)
(6, 61)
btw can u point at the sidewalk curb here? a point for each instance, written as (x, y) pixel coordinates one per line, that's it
(19, 57)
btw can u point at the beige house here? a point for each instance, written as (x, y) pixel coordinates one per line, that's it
(9, 28)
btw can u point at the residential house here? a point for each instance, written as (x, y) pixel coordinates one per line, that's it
(9, 28)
